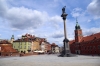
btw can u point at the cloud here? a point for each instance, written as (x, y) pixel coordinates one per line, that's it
(3, 8)
(76, 12)
(58, 34)
(82, 15)
(55, 21)
(21, 18)
(89, 20)
(14, 29)
(94, 8)
(90, 31)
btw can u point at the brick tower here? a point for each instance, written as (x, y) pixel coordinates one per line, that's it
(78, 32)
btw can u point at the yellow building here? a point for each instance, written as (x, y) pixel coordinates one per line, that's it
(36, 44)
(22, 45)
(28, 43)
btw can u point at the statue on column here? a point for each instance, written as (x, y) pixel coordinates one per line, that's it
(63, 9)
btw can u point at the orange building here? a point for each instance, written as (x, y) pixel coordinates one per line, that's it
(6, 48)
(88, 45)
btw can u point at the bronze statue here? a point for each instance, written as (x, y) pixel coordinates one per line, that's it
(64, 13)
(63, 9)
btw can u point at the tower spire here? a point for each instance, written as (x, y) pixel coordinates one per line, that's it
(77, 25)
(76, 20)
(78, 32)
(12, 37)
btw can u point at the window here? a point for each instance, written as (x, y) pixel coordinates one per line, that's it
(98, 46)
(25, 47)
(20, 47)
(21, 43)
(93, 47)
(85, 48)
(28, 47)
(25, 43)
(88, 48)
(94, 37)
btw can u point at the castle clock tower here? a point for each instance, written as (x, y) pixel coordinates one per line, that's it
(12, 39)
(78, 32)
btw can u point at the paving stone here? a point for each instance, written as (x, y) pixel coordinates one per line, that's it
(50, 60)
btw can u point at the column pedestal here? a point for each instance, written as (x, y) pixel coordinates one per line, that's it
(66, 51)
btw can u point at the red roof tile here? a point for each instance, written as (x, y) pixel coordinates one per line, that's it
(91, 37)
(7, 48)
(70, 42)
(4, 42)
(88, 38)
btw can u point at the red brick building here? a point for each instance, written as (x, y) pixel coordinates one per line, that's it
(88, 45)
(6, 48)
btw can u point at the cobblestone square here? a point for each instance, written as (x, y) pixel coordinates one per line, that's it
(50, 60)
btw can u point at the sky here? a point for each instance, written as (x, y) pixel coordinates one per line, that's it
(42, 18)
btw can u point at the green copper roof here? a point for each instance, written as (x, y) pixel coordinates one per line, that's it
(77, 25)
(12, 37)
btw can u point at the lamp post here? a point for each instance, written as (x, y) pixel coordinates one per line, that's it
(66, 50)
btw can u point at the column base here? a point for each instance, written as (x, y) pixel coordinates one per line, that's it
(66, 54)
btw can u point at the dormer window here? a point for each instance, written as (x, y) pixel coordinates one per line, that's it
(95, 37)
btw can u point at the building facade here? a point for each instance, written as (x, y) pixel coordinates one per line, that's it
(55, 48)
(43, 46)
(6, 48)
(24, 44)
(85, 45)
(28, 43)
(47, 47)
(36, 44)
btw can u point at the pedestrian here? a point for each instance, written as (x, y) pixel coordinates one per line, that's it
(10, 54)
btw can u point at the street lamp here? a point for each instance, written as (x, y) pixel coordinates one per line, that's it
(66, 51)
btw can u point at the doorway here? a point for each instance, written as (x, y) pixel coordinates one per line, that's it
(77, 51)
